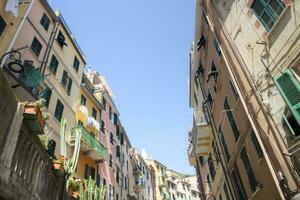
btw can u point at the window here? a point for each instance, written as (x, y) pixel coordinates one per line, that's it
(201, 42)
(213, 72)
(110, 160)
(80, 123)
(250, 173)
(2, 25)
(110, 113)
(66, 82)
(256, 145)
(238, 185)
(111, 138)
(59, 110)
(102, 126)
(76, 64)
(94, 113)
(115, 118)
(268, 11)
(45, 21)
(83, 100)
(289, 88)
(233, 89)
(118, 151)
(122, 139)
(230, 116)
(223, 141)
(86, 171)
(69, 87)
(47, 95)
(104, 104)
(36, 46)
(64, 78)
(217, 47)
(61, 39)
(53, 64)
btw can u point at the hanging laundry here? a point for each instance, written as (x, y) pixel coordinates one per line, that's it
(12, 6)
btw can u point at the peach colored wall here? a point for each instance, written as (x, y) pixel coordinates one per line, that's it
(27, 33)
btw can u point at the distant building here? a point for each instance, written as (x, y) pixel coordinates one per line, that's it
(143, 179)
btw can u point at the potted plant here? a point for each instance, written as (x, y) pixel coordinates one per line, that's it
(36, 115)
(58, 165)
(73, 186)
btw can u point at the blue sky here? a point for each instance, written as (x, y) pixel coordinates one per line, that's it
(142, 48)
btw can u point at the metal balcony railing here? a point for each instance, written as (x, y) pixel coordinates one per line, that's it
(93, 144)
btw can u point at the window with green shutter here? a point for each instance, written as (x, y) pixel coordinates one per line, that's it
(110, 112)
(237, 184)
(115, 118)
(122, 139)
(2, 25)
(69, 87)
(83, 100)
(36, 46)
(64, 79)
(102, 126)
(250, 173)
(111, 138)
(256, 145)
(76, 64)
(231, 119)
(224, 144)
(47, 95)
(59, 110)
(118, 151)
(45, 21)
(268, 11)
(104, 104)
(289, 88)
(86, 171)
(53, 64)
(94, 113)
(93, 173)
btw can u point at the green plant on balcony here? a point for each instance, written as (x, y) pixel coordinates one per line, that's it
(73, 185)
(44, 140)
(90, 191)
(36, 115)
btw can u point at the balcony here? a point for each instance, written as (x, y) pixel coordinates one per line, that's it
(192, 156)
(204, 140)
(91, 146)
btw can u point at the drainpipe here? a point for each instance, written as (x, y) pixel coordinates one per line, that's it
(253, 125)
(48, 49)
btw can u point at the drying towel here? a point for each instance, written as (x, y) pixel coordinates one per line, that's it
(12, 6)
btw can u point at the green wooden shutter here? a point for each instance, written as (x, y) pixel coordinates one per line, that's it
(289, 88)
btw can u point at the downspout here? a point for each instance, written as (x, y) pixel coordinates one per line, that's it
(48, 49)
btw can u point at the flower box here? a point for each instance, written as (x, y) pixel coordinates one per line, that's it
(34, 119)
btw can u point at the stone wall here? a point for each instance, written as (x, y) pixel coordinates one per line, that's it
(26, 170)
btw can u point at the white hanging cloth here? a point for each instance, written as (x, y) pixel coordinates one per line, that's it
(13, 7)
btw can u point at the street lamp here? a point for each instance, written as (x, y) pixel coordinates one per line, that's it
(15, 64)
